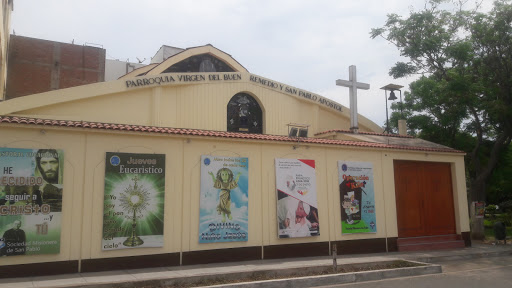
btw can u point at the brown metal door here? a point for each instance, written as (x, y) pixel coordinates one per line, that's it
(424, 199)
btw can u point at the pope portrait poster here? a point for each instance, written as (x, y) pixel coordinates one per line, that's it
(224, 199)
(357, 197)
(297, 208)
(133, 205)
(30, 201)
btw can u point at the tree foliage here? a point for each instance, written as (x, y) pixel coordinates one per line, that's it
(464, 97)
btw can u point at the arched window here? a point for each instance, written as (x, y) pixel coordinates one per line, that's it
(200, 63)
(244, 114)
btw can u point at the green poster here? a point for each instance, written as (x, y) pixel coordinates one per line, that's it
(133, 210)
(357, 197)
(30, 201)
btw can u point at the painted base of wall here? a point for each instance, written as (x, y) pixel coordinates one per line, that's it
(132, 262)
(221, 255)
(362, 246)
(466, 236)
(393, 244)
(296, 250)
(39, 269)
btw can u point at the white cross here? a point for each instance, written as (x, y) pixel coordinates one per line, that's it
(353, 85)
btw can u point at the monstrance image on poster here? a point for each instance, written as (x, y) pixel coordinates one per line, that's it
(357, 197)
(224, 199)
(297, 209)
(133, 211)
(30, 201)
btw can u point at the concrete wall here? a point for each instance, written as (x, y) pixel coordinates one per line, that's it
(37, 65)
(115, 68)
(165, 52)
(84, 169)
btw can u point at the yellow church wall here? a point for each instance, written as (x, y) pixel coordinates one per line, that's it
(331, 121)
(97, 146)
(84, 169)
(73, 144)
(200, 104)
(334, 155)
(128, 108)
(270, 225)
(193, 149)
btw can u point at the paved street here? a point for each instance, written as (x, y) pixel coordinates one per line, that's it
(481, 265)
(495, 272)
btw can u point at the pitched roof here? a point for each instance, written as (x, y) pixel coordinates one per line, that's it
(211, 133)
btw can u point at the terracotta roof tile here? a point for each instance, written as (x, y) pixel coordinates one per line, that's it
(221, 134)
(364, 133)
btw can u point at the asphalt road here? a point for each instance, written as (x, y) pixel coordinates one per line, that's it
(492, 272)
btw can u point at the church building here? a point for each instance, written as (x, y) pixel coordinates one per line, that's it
(196, 160)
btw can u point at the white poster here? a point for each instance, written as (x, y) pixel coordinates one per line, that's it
(297, 209)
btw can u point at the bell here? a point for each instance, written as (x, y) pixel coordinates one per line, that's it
(392, 96)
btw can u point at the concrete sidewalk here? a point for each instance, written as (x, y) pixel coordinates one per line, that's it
(159, 277)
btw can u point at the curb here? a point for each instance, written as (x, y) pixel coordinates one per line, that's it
(430, 259)
(288, 279)
(345, 278)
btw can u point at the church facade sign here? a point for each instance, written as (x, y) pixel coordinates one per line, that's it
(181, 78)
(196, 78)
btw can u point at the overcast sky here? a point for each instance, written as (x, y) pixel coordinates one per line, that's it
(304, 43)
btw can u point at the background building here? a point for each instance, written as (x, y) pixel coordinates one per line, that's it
(6, 7)
(37, 66)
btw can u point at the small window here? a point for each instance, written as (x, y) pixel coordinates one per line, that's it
(244, 114)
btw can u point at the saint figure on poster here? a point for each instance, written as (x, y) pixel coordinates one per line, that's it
(14, 240)
(48, 166)
(225, 181)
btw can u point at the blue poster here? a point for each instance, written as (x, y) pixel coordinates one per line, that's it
(357, 197)
(224, 202)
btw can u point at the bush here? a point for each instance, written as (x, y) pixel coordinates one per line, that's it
(491, 209)
(506, 218)
(488, 223)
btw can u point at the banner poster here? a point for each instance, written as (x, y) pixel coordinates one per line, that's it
(224, 202)
(479, 209)
(30, 201)
(297, 209)
(357, 197)
(133, 210)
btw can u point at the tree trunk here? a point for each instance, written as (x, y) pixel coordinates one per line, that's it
(477, 189)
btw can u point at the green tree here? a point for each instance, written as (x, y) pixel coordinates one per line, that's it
(464, 96)
(499, 188)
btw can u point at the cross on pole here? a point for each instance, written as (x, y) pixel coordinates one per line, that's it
(353, 85)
